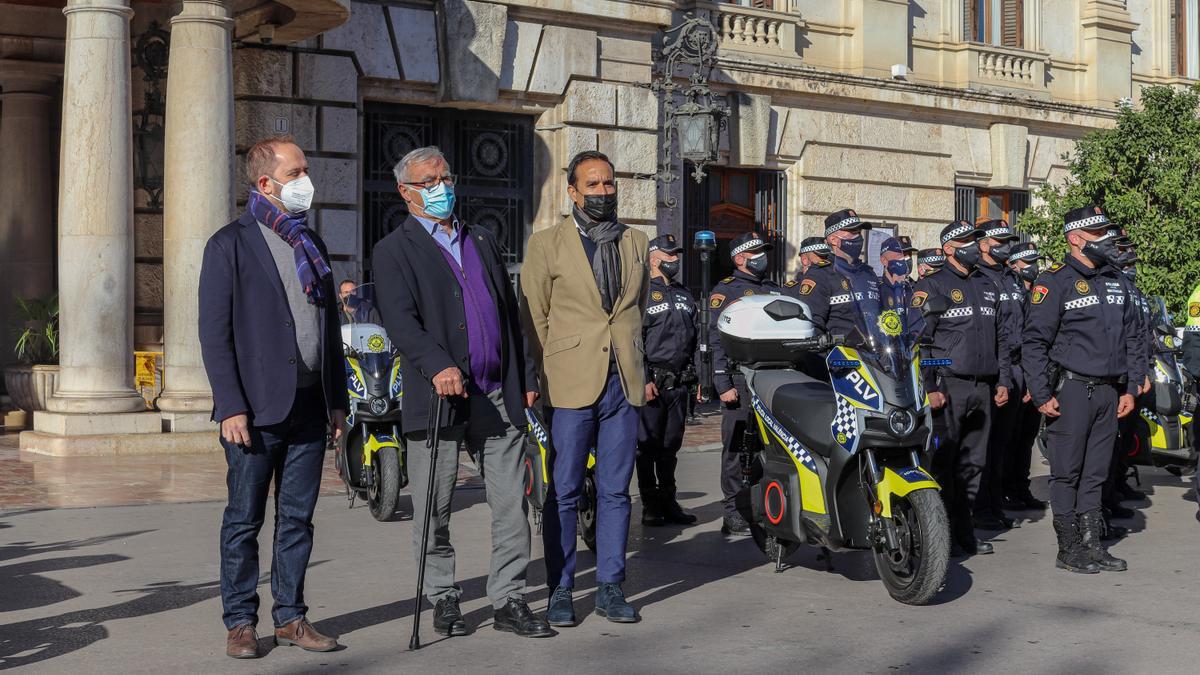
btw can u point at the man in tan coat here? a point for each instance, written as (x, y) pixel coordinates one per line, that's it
(584, 282)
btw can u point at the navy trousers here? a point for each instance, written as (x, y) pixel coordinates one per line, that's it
(291, 454)
(610, 425)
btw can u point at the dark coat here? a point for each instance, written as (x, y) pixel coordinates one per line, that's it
(246, 329)
(421, 305)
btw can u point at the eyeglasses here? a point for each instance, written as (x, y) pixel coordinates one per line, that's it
(449, 179)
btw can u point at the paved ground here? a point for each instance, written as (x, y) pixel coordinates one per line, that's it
(133, 589)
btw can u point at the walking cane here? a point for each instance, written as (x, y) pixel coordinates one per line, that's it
(431, 441)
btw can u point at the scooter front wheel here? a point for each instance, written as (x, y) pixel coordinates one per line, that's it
(383, 495)
(916, 570)
(587, 510)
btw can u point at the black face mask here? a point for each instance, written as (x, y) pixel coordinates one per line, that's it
(669, 268)
(1001, 252)
(758, 266)
(1029, 272)
(852, 247)
(600, 208)
(968, 256)
(1102, 252)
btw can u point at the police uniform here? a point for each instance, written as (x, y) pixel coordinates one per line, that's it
(1028, 421)
(989, 513)
(968, 334)
(1082, 325)
(1127, 426)
(815, 246)
(1191, 356)
(838, 293)
(735, 414)
(669, 337)
(898, 296)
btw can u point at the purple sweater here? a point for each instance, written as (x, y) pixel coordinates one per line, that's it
(483, 321)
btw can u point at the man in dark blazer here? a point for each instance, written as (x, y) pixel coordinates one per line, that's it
(451, 311)
(270, 338)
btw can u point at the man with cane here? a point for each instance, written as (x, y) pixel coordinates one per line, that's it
(447, 303)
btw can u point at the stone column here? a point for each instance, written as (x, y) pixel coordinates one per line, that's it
(198, 194)
(27, 240)
(95, 215)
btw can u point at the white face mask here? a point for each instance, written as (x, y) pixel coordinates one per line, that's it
(296, 195)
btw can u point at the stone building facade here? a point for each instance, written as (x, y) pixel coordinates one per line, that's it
(913, 112)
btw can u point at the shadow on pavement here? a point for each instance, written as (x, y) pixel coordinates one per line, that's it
(22, 549)
(24, 588)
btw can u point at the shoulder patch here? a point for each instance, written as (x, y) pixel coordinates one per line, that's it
(727, 280)
(791, 283)
(716, 300)
(807, 286)
(1056, 267)
(919, 298)
(1039, 294)
(822, 263)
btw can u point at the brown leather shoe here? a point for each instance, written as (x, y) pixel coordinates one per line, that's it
(242, 642)
(302, 634)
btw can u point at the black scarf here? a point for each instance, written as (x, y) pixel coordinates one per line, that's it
(606, 264)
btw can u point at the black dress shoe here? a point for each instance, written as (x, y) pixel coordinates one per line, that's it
(1130, 493)
(1117, 511)
(970, 547)
(448, 618)
(736, 526)
(516, 617)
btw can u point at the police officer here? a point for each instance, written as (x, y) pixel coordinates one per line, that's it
(1079, 357)
(669, 336)
(968, 334)
(837, 293)
(894, 282)
(1191, 360)
(749, 253)
(995, 246)
(812, 251)
(928, 260)
(1024, 262)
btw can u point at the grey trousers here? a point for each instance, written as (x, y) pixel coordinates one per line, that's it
(495, 445)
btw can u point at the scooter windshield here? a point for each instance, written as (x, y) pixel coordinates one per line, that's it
(880, 339)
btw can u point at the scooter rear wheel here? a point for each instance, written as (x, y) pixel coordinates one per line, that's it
(916, 571)
(587, 510)
(383, 495)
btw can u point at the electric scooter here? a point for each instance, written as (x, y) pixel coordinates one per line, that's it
(834, 461)
(371, 458)
(1162, 435)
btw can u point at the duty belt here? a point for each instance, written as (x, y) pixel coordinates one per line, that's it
(1092, 380)
(668, 378)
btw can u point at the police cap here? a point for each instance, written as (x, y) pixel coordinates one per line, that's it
(846, 219)
(1086, 218)
(665, 243)
(960, 230)
(751, 241)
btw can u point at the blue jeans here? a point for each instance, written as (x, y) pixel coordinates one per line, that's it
(610, 425)
(292, 453)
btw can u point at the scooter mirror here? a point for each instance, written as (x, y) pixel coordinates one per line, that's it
(936, 304)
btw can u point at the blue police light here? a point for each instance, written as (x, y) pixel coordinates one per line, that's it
(705, 241)
(843, 363)
(935, 363)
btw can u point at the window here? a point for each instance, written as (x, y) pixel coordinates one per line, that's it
(732, 202)
(995, 22)
(1185, 31)
(977, 204)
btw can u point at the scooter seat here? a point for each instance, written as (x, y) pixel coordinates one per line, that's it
(803, 405)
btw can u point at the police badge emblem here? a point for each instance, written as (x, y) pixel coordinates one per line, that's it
(656, 296)
(1082, 287)
(956, 295)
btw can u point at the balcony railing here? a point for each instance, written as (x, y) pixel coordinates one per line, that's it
(763, 31)
(1006, 67)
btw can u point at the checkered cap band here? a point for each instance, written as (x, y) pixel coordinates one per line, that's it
(816, 248)
(998, 232)
(957, 232)
(1090, 222)
(1027, 254)
(932, 259)
(842, 224)
(753, 243)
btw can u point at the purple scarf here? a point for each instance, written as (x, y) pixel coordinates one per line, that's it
(292, 228)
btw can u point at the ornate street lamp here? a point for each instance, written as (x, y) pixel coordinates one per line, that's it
(695, 123)
(150, 54)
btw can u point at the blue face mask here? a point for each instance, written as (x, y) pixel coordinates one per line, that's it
(897, 268)
(852, 247)
(439, 200)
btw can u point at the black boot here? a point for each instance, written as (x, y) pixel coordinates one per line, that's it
(1071, 555)
(652, 507)
(671, 510)
(1091, 528)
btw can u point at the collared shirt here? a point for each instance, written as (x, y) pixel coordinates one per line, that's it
(452, 243)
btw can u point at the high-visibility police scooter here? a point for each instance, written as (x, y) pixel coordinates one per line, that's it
(539, 454)
(836, 462)
(1162, 434)
(371, 458)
